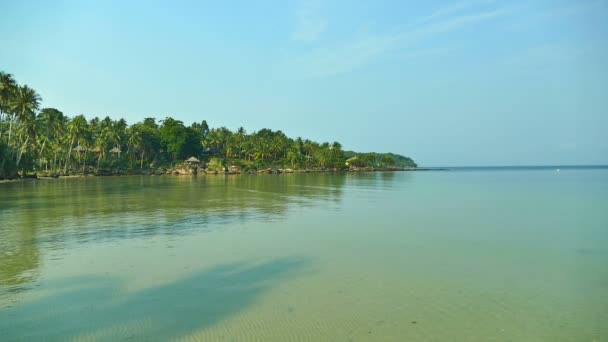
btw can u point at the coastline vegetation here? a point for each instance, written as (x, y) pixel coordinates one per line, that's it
(37, 141)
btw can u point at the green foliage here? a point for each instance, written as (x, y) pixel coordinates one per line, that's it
(388, 160)
(8, 169)
(379, 159)
(47, 141)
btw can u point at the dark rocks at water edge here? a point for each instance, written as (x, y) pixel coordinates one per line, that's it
(185, 170)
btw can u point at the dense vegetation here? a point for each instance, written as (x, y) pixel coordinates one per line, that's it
(35, 140)
(378, 159)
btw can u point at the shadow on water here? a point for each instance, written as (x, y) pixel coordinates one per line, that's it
(98, 308)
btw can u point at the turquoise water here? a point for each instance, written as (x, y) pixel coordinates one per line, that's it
(463, 255)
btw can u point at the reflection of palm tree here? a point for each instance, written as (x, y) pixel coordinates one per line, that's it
(20, 261)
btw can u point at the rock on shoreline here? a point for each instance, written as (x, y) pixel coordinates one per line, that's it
(231, 170)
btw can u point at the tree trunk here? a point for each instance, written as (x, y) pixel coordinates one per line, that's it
(67, 156)
(10, 128)
(20, 153)
(42, 148)
(1, 115)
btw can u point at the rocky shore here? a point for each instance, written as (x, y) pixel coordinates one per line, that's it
(184, 170)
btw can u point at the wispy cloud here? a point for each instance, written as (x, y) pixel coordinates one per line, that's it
(342, 57)
(450, 10)
(456, 23)
(310, 24)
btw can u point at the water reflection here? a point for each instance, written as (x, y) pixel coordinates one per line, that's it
(57, 214)
(19, 258)
(379, 180)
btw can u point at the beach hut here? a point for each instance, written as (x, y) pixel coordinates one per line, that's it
(80, 150)
(194, 164)
(115, 150)
(193, 161)
(97, 151)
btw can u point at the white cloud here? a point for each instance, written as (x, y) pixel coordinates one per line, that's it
(345, 56)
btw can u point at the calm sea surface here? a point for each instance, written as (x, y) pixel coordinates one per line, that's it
(482, 255)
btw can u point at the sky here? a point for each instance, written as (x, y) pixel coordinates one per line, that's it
(448, 83)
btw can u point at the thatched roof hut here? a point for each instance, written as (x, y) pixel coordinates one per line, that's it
(79, 149)
(192, 160)
(115, 151)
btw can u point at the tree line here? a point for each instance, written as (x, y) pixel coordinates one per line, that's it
(35, 139)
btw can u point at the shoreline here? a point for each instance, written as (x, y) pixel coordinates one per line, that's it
(216, 173)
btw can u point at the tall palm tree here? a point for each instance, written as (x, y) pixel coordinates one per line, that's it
(26, 134)
(51, 126)
(25, 103)
(100, 143)
(136, 142)
(77, 131)
(336, 154)
(24, 106)
(239, 139)
(7, 91)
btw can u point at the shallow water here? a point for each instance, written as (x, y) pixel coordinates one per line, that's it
(475, 255)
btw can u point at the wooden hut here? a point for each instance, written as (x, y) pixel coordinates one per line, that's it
(97, 151)
(193, 161)
(115, 150)
(80, 150)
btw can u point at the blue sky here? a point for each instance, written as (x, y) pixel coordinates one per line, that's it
(473, 82)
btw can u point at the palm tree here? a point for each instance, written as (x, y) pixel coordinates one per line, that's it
(336, 154)
(7, 91)
(51, 126)
(77, 131)
(24, 106)
(240, 140)
(294, 156)
(136, 142)
(308, 147)
(100, 144)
